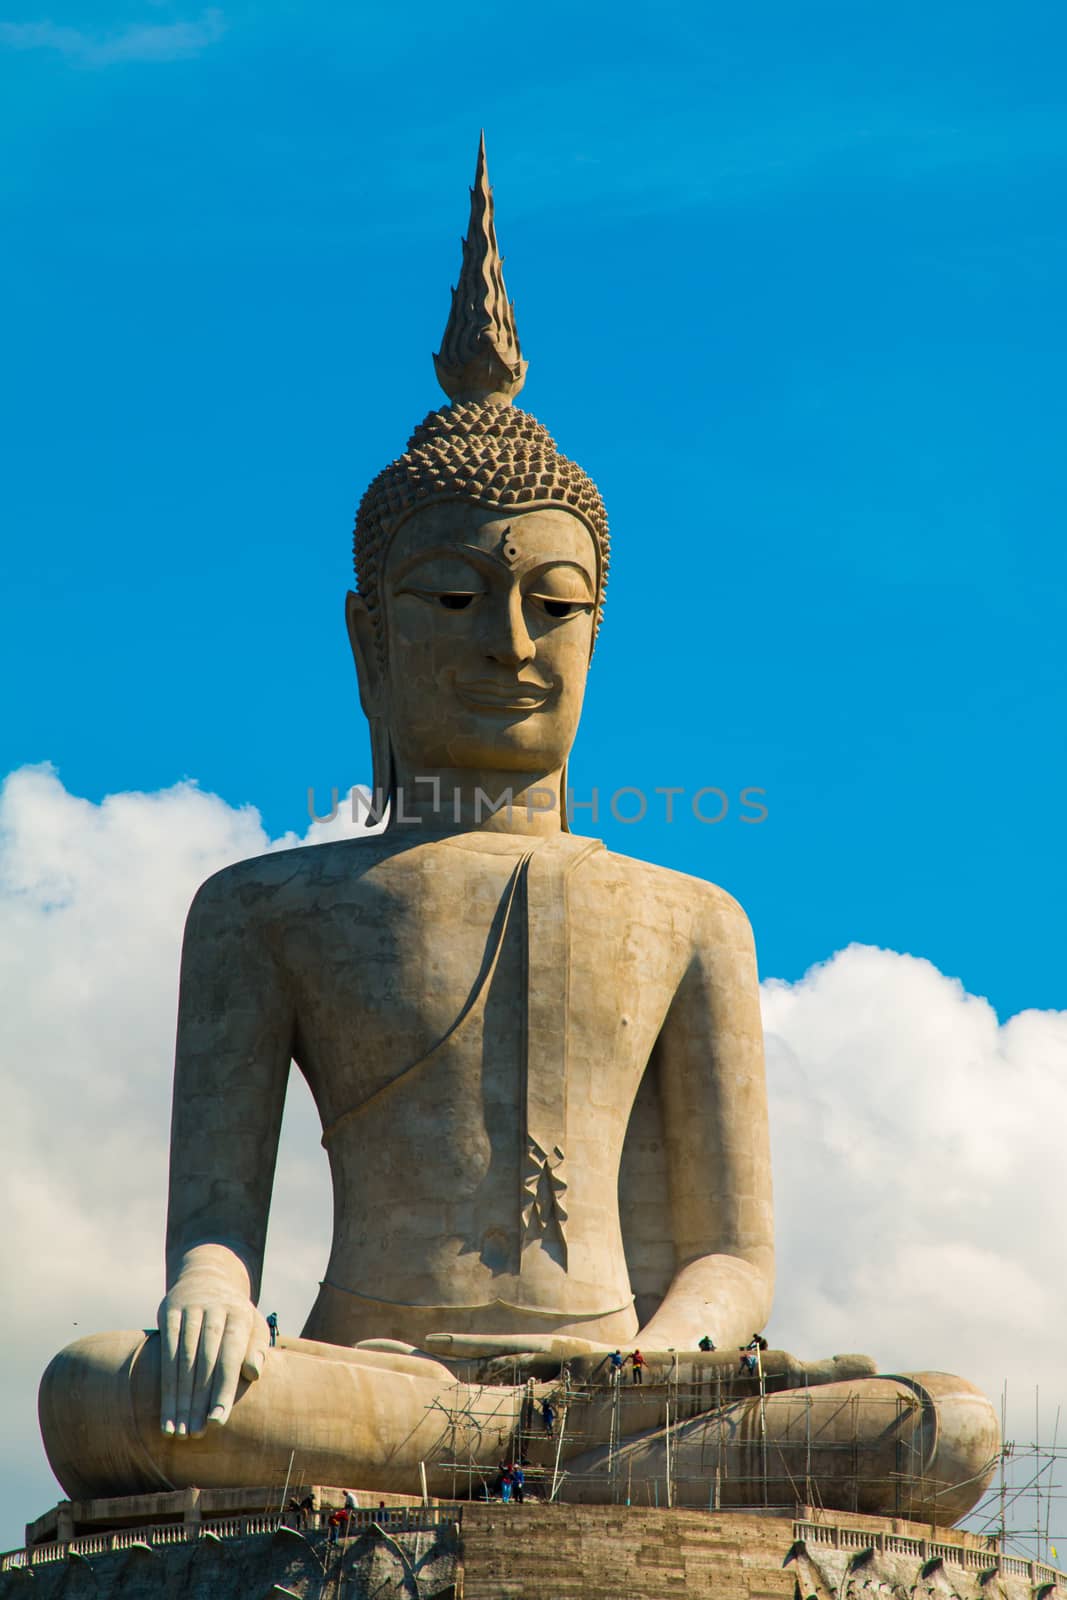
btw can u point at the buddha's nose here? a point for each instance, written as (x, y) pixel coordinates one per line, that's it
(507, 636)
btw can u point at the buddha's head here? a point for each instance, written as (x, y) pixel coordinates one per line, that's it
(481, 560)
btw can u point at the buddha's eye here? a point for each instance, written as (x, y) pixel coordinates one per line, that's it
(560, 609)
(446, 582)
(449, 599)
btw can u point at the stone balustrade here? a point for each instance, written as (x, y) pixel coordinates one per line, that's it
(966, 1556)
(393, 1519)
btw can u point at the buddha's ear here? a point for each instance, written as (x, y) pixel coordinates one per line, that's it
(361, 636)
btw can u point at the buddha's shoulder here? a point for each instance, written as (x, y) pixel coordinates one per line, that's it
(289, 876)
(657, 891)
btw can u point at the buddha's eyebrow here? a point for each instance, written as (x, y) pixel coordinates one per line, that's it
(522, 566)
(441, 552)
(538, 567)
(487, 561)
(491, 561)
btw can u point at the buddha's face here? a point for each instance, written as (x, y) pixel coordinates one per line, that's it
(489, 626)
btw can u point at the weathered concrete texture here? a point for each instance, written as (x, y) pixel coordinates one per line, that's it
(263, 1567)
(591, 1552)
(595, 1552)
(552, 1552)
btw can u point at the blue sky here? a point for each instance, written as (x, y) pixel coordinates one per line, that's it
(790, 284)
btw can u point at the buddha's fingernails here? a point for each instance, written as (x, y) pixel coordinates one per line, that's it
(168, 1426)
(218, 1414)
(182, 1430)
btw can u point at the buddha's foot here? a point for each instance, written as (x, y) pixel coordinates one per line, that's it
(922, 1446)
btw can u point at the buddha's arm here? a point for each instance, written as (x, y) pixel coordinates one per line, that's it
(710, 1062)
(235, 1029)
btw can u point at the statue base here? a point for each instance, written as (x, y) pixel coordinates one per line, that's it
(481, 1551)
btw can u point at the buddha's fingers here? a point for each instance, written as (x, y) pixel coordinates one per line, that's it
(256, 1352)
(188, 1348)
(211, 1336)
(170, 1327)
(228, 1369)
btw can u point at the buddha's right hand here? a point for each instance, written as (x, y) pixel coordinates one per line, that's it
(212, 1335)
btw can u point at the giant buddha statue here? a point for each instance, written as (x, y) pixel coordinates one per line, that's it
(538, 1066)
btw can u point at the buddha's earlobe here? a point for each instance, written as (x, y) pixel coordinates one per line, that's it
(362, 638)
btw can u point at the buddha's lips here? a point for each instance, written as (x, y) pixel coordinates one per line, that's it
(504, 697)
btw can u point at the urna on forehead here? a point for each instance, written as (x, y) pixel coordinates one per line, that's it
(479, 450)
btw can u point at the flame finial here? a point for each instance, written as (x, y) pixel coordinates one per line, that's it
(480, 358)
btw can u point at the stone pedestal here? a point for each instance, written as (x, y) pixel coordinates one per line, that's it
(535, 1551)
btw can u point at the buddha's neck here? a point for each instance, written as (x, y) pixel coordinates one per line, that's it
(464, 800)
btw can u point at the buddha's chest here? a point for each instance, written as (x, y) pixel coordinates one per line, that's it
(519, 968)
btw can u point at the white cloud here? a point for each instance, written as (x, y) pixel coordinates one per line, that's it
(918, 1152)
(136, 41)
(92, 904)
(917, 1146)
(916, 1140)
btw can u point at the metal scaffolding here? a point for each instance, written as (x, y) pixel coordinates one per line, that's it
(1024, 1509)
(824, 1458)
